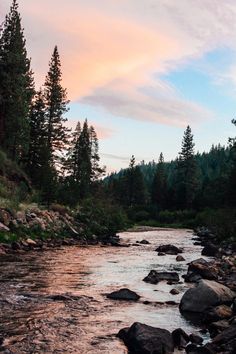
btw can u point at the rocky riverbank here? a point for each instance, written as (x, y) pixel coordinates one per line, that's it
(37, 229)
(211, 302)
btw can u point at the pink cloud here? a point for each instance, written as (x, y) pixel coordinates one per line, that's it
(111, 50)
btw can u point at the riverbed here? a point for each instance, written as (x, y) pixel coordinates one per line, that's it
(54, 301)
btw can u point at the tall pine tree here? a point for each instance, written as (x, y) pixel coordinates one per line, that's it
(159, 185)
(232, 175)
(38, 152)
(187, 182)
(55, 97)
(16, 87)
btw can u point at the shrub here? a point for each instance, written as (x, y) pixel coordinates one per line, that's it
(101, 218)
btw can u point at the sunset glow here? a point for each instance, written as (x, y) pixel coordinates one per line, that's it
(120, 61)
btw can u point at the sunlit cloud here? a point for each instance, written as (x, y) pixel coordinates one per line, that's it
(114, 53)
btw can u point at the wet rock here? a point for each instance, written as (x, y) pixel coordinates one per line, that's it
(174, 291)
(123, 294)
(180, 338)
(217, 327)
(224, 342)
(195, 339)
(192, 277)
(169, 249)
(201, 268)
(206, 294)
(210, 250)
(141, 338)
(154, 277)
(180, 258)
(194, 349)
(218, 313)
(144, 242)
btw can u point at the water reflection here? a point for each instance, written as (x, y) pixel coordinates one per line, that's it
(84, 321)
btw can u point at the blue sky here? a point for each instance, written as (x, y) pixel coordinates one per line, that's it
(140, 71)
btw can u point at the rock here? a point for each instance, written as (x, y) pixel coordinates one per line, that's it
(31, 242)
(169, 249)
(123, 294)
(20, 217)
(174, 291)
(217, 327)
(218, 313)
(210, 250)
(154, 277)
(224, 342)
(180, 338)
(194, 349)
(5, 217)
(144, 242)
(161, 254)
(206, 294)
(202, 268)
(144, 339)
(4, 228)
(192, 277)
(180, 258)
(234, 306)
(195, 339)
(15, 246)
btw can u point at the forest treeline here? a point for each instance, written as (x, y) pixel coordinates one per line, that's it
(63, 166)
(58, 162)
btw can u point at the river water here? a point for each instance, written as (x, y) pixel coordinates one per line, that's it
(34, 320)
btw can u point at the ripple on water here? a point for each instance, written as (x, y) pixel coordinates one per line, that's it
(85, 321)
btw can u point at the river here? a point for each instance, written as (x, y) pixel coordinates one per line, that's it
(34, 320)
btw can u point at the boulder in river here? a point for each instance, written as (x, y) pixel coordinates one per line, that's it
(206, 294)
(169, 249)
(141, 338)
(180, 258)
(123, 294)
(218, 313)
(210, 250)
(154, 277)
(224, 342)
(180, 338)
(202, 269)
(144, 242)
(195, 339)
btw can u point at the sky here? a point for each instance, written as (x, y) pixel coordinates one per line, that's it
(140, 71)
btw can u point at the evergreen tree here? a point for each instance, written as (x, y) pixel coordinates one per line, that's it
(96, 170)
(37, 156)
(16, 87)
(232, 175)
(82, 161)
(159, 185)
(56, 106)
(133, 191)
(187, 183)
